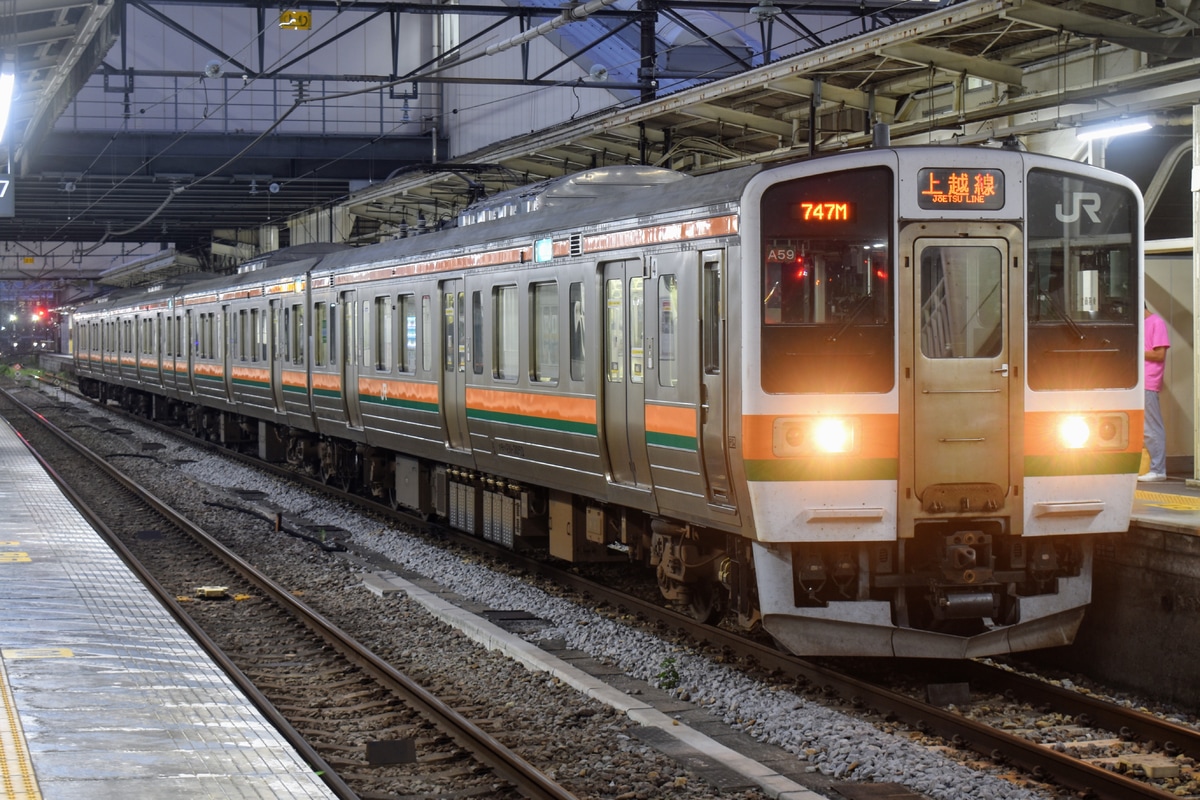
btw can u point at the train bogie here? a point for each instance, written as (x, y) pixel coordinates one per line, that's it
(876, 403)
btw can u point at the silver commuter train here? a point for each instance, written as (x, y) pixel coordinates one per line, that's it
(878, 403)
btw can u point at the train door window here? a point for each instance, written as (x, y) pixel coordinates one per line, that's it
(575, 303)
(408, 333)
(637, 330)
(505, 358)
(127, 337)
(614, 325)
(298, 334)
(180, 338)
(712, 315)
(449, 331)
(544, 333)
(320, 334)
(477, 332)
(961, 302)
(169, 338)
(284, 335)
(668, 326)
(426, 333)
(331, 330)
(383, 332)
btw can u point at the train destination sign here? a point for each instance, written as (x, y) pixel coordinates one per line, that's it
(956, 188)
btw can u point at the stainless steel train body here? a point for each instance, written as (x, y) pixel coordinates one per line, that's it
(877, 403)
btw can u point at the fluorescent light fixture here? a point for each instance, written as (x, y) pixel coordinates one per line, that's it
(1118, 127)
(8, 80)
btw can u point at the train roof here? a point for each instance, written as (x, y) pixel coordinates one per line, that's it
(567, 207)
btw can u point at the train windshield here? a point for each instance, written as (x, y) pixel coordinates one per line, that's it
(827, 303)
(1083, 312)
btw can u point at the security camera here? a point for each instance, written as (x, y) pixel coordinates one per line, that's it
(212, 69)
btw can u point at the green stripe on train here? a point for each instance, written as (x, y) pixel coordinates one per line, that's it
(330, 393)
(525, 421)
(396, 402)
(671, 440)
(1091, 463)
(825, 469)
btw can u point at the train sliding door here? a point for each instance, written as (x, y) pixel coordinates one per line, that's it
(455, 356)
(957, 450)
(624, 376)
(278, 354)
(712, 379)
(351, 346)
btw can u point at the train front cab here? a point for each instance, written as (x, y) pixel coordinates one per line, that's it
(949, 397)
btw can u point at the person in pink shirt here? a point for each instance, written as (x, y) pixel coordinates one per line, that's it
(1157, 343)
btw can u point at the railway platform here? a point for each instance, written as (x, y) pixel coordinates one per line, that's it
(1142, 629)
(102, 694)
(1170, 505)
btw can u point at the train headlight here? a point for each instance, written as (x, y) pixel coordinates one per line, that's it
(1098, 431)
(1074, 432)
(815, 436)
(833, 435)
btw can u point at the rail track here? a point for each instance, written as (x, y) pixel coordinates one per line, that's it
(351, 714)
(1090, 746)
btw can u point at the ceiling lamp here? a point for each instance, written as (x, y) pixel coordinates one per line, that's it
(1116, 127)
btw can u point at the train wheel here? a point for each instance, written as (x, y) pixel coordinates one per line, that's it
(706, 602)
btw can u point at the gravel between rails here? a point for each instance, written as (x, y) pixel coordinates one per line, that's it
(594, 745)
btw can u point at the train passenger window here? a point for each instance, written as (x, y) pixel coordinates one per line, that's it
(505, 336)
(298, 334)
(204, 339)
(477, 332)
(237, 336)
(407, 361)
(320, 334)
(575, 303)
(426, 333)
(827, 289)
(383, 332)
(668, 326)
(544, 333)
(258, 323)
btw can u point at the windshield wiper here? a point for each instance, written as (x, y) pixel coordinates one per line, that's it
(1058, 312)
(862, 303)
